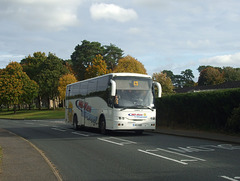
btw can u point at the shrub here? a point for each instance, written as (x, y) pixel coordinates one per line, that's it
(233, 122)
(203, 110)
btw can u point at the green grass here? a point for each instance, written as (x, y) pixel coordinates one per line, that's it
(33, 114)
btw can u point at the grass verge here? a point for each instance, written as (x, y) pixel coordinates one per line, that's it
(33, 114)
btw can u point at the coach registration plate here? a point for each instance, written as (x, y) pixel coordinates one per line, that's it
(137, 124)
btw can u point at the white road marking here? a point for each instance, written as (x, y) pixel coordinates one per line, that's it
(110, 141)
(117, 141)
(43, 125)
(29, 123)
(167, 158)
(228, 178)
(58, 129)
(80, 134)
(195, 158)
(182, 161)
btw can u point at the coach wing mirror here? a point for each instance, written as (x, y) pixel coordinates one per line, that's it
(159, 87)
(114, 87)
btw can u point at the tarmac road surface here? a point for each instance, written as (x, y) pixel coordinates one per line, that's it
(87, 155)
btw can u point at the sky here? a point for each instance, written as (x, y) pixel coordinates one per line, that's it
(162, 34)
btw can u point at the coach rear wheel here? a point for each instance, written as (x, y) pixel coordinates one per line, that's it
(102, 125)
(75, 122)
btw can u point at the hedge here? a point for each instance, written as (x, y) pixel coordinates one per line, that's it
(201, 110)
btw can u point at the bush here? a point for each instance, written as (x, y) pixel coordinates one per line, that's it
(203, 110)
(233, 123)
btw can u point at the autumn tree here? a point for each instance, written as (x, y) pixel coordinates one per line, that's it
(130, 64)
(98, 67)
(30, 91)
(16, 87)
(210, 76)
(165, 81)
(63, 82)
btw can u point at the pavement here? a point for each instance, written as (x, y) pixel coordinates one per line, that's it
(23, 161)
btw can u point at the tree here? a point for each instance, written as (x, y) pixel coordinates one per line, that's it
(51, 71)
(130, 64)
(83, 56)
(63, 82)
(178, 81)
(165, 81)
(30, 90)
(169, 74)
(231, 74)
(202, 67)
(46, 71)
(210, 76)
(31, 65)
(16, 87)
(98, 67)
(111, 55)
(187, 77)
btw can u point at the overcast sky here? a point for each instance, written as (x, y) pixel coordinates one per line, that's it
(162, 34)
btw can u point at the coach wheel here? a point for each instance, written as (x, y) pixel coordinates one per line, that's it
(75, 122)
(102, 125)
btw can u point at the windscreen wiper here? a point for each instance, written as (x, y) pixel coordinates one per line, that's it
(126, 108)
(148, 107)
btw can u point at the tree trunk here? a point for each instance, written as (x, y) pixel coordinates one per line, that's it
(15, 108)
(39, 103)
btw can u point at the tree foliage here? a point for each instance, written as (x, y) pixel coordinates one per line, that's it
(98, 67)
(46, 71)
(84, 54)
(210, 76)
(185, 79)
(130, 64)
(63, 82)
(165, 81)
(15, 86)
(231, 74)
(111, 55)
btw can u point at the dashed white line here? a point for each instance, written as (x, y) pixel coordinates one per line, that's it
(229, 178)
(164, 157)
(30, 123)
(58, 129)
(117, 141)
(80, 134)
(110, 141)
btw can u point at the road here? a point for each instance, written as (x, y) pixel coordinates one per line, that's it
(87, 155)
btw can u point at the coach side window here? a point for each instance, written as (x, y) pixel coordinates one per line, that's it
(92, 86)
(102, 83)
